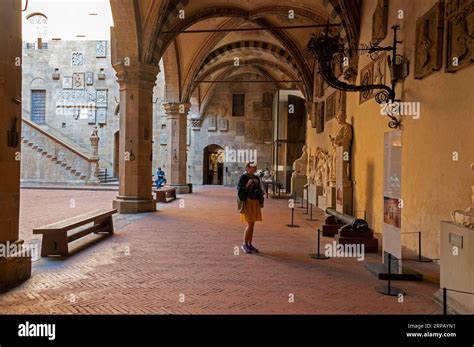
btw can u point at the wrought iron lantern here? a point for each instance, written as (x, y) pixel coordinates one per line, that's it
(329, 49)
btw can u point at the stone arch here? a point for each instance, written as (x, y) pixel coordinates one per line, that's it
(33, 14)
(297, 62)
(261, 46)
(38, 82)
(125, 34)
(251, 62)
(332, 12)
(172, 72)
(214, 12)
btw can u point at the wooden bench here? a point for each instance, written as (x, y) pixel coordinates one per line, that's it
(165, 194)
(55, 235)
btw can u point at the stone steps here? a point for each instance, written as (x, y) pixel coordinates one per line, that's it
(54, 159)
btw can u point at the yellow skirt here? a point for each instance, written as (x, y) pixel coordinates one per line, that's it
(252, 212)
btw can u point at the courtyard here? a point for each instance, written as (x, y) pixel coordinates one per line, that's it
(182, 259)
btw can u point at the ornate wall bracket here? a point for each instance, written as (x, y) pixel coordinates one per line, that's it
(328, 49)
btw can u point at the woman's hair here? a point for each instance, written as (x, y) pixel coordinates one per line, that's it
(250, 163)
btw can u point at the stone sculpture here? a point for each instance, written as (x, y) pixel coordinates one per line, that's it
(342, 137)
(101, 49)
(465, 218)
(460, 34)
(77, 58)
(300, 164)
(429, 41)
(380, 21)
(310, 168)
(94, 139)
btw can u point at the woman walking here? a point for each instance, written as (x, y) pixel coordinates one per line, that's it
(250, 201)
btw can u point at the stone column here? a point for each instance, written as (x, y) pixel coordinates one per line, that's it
(15, 264)
(176, 116)
(136, 135)
(94, 167)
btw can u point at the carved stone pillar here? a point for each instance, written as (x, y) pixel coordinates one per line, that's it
(176, 116)
(15, 264)
(94, 168)
(136, 135)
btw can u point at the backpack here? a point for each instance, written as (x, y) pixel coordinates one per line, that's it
(255, 192)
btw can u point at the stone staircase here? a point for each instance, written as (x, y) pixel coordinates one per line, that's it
(45, 158)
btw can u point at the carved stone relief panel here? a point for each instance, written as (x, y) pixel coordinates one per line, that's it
(223, 124)
(101, 49)
(366, 77)
(77, 58)
(460, 34)
(101, 98)
(91, 116)
(330, 106)
(102, 115)
(91, 96)
(429, 41)
(79, 96)
(379, 70)
(89, 78)
(67, 82)
(320, 107)
(319, 86)
(163, 139)
(212, 122)
(380, 22)
(78, 81)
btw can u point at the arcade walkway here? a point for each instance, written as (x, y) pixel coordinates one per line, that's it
(181, 260)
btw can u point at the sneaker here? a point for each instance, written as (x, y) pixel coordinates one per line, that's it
(253, 249)
(246, 249)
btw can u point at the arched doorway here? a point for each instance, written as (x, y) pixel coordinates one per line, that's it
(213, 165)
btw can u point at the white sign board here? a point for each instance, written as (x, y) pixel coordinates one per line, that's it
(392, 200)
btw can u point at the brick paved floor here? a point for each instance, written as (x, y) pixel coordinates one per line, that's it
(181, 260)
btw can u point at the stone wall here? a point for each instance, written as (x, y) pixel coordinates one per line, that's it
(433, 184)
(63, 104)
(73, 107)
(70, 112)
(247, 134)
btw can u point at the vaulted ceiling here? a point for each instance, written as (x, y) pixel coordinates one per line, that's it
(209, 40)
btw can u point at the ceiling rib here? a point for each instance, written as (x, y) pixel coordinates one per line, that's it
(200, 31)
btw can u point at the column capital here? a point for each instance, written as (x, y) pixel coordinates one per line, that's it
(173, 109)
(142, 74)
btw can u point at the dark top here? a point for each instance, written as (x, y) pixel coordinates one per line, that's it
(243, 192)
